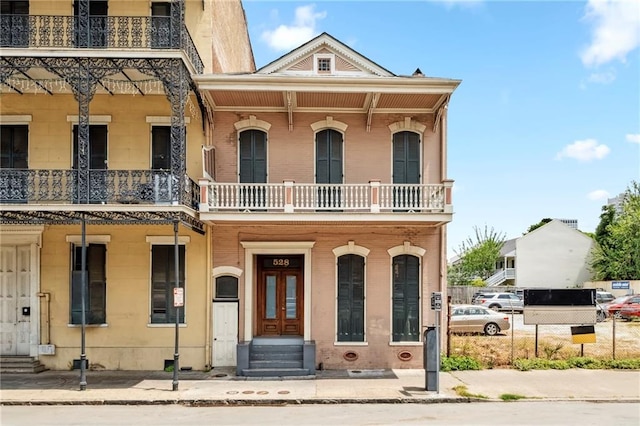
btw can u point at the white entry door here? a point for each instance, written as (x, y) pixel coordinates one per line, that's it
(15, 300)
(225, 333)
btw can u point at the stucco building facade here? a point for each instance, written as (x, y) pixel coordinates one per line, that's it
(153, 178)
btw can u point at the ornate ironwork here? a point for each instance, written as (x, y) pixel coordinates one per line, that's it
(114, 32)
(64, 217)
(83, 75)
(20, 186)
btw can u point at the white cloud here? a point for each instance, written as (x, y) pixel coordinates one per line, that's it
(303, 29)
(449, 4)
(615, 30)
(598, 194)
(585, 150)
(633, 138)
(605, 77)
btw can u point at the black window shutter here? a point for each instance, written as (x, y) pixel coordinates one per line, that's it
(351, 298)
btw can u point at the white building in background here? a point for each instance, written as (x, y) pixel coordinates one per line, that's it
(553, 256)
(616, 202)
(572, 223)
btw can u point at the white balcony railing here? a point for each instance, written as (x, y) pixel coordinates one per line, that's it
(501, 276)
(291, 197)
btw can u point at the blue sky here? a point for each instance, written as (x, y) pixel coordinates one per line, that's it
(546, 122)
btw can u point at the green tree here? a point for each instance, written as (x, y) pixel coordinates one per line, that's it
(617, 254)
(603, 234)
(477, 257)
(538, 225)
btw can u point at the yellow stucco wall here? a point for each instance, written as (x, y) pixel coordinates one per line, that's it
(217, 28)
(127, 341)
(129, 133)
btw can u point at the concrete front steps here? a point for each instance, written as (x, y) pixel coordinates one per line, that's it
(278, 357)
(20, 364)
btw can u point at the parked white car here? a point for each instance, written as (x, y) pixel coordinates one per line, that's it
(501, 302)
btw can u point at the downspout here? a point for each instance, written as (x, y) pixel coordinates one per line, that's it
(47, 299)
(443, 232)
(443, 177)
(208, 356)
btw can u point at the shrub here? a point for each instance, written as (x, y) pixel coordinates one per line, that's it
(459, 363)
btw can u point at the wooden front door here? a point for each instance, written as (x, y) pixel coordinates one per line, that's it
(280, 300)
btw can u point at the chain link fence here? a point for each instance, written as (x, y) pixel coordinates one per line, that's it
(614, 339)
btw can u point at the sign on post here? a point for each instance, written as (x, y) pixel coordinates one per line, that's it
(436, 301)
(178, 297)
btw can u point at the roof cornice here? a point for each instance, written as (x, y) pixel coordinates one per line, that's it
(326, 84)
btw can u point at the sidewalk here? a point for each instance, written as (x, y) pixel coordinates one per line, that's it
(222, 387)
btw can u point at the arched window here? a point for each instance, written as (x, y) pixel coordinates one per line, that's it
(406, 157)
(226, 287)
(328, 156)
(350, 296)
(406, 170)
(253, 167)
(406, 298)
(253, 156)
(329, 166)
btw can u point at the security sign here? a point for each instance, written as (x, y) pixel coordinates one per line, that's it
(178, 297)
(436, 301)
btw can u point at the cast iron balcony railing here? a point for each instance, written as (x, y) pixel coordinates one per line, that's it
(290, 197)
(109, 32)
(104, 187)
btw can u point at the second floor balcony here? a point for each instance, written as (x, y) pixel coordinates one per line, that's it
(426, 202)
(101, 187)
(102, 32)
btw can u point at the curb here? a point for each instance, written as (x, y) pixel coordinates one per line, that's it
(306, 401)
(243, 402)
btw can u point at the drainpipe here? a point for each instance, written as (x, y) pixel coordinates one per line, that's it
(443, 228)
(208, 356)
(47, 299)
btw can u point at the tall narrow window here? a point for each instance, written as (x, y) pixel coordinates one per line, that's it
(14, 23)
(14, 162)
(96, 35)
(329, 168)
(406, 170)
(253, 167)
(97, 158)
(351, 298)
(163, 279)
(406, 298)
(14, 150)
(96, 284)
(160, 25)
(161, 148)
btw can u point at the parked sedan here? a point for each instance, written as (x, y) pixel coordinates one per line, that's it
(630, 311)
(613, 307)
(477, 319)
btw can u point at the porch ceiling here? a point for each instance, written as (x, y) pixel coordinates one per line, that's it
(52, 75)
(318, 94)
